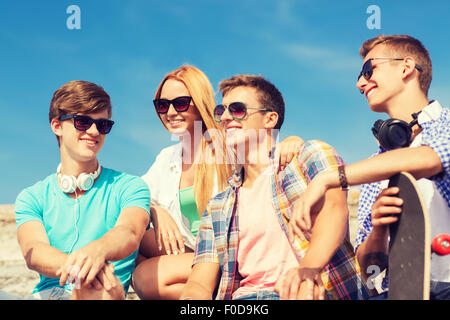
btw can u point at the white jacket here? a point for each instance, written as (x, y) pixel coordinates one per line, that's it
(163, 180)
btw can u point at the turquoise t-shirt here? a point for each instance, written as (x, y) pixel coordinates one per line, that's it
(72, 224)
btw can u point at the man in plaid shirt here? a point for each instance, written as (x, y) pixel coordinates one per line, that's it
(395, 79)
(244, 250)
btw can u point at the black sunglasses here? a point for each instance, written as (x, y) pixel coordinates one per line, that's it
(367, 68)
(83, 123)
(181, 104)
(238, 111)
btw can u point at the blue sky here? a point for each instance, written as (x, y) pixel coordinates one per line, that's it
(308, 49)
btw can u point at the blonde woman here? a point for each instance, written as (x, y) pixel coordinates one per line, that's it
(182, 179)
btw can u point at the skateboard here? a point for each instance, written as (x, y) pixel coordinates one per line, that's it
(410, 244)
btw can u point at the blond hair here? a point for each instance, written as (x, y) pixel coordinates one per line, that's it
(404, 46)
(202, 93)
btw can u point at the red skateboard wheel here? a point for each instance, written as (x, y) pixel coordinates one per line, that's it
(441, 244)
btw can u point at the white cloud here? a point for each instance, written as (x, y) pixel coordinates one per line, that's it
(151, 135)
(321, 57)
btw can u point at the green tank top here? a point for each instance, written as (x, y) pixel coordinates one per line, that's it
(189, 208)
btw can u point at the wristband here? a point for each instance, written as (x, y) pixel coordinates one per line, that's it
(342, 177)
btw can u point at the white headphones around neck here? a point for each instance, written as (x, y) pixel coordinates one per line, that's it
(84, 182)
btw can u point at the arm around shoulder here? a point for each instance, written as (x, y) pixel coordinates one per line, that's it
(317, 156)
(421, 162)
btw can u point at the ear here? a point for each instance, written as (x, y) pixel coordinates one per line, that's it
(55, 124)
(409, 67)
(270, 120)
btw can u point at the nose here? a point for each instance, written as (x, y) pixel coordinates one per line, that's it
(172, 110)
(361, 84)
(226, 117)
(93, 131)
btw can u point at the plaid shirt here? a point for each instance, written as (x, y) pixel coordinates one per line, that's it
(435, 123)
(218, 237)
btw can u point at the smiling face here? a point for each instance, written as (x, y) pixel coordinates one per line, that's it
(386, 81)
(240, 131)
(81, 146)
(178, 123)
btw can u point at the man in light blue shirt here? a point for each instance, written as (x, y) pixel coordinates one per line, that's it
(80, 227)
(395, 78)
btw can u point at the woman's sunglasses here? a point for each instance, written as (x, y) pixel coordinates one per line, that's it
(367, 68)
(181, 104)
(83, 123)
(238, 111)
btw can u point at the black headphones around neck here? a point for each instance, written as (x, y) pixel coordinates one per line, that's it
(394, 133)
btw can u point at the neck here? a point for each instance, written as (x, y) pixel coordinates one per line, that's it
(257, 158)
(405, 104)
(75, 168)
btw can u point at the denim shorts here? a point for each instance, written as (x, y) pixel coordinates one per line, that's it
(260, 295)
(55, 293)
(438, 291)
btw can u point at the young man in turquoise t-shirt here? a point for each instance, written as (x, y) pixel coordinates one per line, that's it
(80, 227)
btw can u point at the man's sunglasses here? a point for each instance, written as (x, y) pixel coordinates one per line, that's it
(367, 68)
(83, 123)
(181, 104)
(238, 111)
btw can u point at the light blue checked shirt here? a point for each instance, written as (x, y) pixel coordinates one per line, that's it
(435, 123)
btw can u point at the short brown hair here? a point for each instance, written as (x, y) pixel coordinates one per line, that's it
(268, 95)
(406, 46)
(79, 97)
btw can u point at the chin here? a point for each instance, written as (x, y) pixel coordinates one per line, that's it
(377, 107)
(241, 145)
(236, 139)
(85, 159)
(81, 155)
(179, 132)
(88, 156)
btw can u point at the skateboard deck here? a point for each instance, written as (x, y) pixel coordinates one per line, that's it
(410, 244)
